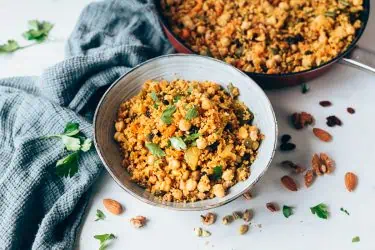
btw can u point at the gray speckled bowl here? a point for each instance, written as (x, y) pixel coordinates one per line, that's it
(188, 67)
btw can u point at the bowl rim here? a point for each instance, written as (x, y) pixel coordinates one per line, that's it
(150, 202)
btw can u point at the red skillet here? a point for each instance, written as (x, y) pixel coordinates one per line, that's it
(353, 56)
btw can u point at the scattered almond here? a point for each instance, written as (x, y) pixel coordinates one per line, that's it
(272, 207)
(289, 183)
(309, 178)
(138, 221)
(322, 134)
(112, 206)
(350, 181)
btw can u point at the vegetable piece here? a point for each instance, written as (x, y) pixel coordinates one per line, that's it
(103, 239)
(287, 211)
(176, 98)
(191, 157)
(99, 215)
(154, 96)
(320, 210)
(178, 143)
(166, 116)
(155, 149)
(71, 128)
(191, 113)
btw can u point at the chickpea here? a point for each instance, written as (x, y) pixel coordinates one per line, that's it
(195, 175)
(201, 29)
(185, 175)
(218, 190)
(206, 104)
(120, 126)
(242, 133)
(211, 90)
(177, 194)
(152, 179)
(150, 160)
(254, 135)
(284, 6)
(245, 25)
(225, 41)
(228, 175)
(204, 184)
(201, 143)
(165, 186)
(201, 196)
(191, 185)
(120, 137)
(184, 125)
(174, 164)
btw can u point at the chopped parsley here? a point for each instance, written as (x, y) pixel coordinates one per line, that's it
(321, 210)
(103, 239)
(217, 173)
(287, 211)
(190, 89)
(356, 239)
(155, 149)
(99, 215)
(178, 143)
(166, 116)
(191, 113)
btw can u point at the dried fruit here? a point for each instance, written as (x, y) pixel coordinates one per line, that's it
(325, 103)
(350, 110)
(287, 146)
(350, 181)
(301, 120)
(112, 206)
(227, 219)
(209, 218)
(333, 121)
(272, 207)
(285, 138)
(138, 221)
(247, 215)
(289, 183)
(248, 195)
(309, 178)
(201, 232)
(296, 168)
(322, 164)
(243, 229)
(237, 215)
(322, 134)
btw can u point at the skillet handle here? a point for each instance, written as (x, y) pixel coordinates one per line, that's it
(361, 58)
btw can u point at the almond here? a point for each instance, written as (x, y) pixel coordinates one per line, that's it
(309, 178)
(112, 206)
(322, 134)
(350, 181)
(289, 183)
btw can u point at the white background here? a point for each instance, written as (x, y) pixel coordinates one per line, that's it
(352, 148)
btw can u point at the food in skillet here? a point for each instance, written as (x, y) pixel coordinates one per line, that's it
(187, 140)
(274, 36)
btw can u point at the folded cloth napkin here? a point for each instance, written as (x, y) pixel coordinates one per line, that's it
(38, 209)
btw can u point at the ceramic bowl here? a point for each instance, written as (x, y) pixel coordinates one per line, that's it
(188, 67)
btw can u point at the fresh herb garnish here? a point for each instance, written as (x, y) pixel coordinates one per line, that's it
(9, 47)
(356, 239)
(190, 89)
(344, 210)
(305, 88)
(176, 98)
(217, 173)
(103, 239)
(155, 149)
(320, 210)
(68, 166)
(287, 211)
(38, 31)
(166, 116)
(192, 137)
(191, 113)
(178, 143)
(154, 96)
(99, 215)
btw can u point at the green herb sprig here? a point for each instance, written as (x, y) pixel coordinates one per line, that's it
(155, 149)
(321, 210)
(287, 211)
(166, 116)
(99, 215)
(103, 239)
(191, 113)
(356, 239)
(217, 173)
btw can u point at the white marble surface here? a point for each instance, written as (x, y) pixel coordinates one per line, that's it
(352, 148)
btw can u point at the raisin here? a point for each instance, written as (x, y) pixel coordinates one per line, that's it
(287, 146)
(148, 113)
(165, 102)
(150, 136)
(325, 103)
(350, 110)
(193, 130)
(229, 127)
(285, 138)
(294, 39)
(308, 52)
(213, 146)
(246, 157)
(333, 120)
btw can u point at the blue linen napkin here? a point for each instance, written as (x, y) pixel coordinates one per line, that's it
(38, 209)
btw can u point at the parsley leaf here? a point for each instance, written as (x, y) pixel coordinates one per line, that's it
(305, 88)
(154, 96)
(192, 137)
(99, 215)
(155, 149)
(176, 98)
(86, 145)
(217, 173)
(356, 239)
(344, 210)
(9, 47)
(178, 143)
(166, 116)
(287, 211)
(320, 210)
(71, 128)
(191, 113)
(38, 31)
(71, 143)
(103, 238)
(68, 166)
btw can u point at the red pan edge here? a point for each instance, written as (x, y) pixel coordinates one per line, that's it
(272, 81)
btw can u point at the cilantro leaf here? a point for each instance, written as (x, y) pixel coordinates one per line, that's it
(305, 88)
(178, 143)
(71, 128)
(191, 113)
(71, 143)
(103, 239)
(320, 210)
(287, 211)
(99, 215)
(192, 137)
(344, 210)
(217, 173)
(155, 149)
(86, 145)
(176, 98)
(68, 166)
(154, 96)
(356, 239)
(38, 31)
(166, 116)
(9, 47)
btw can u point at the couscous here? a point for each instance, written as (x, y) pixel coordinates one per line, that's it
(186, 140)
